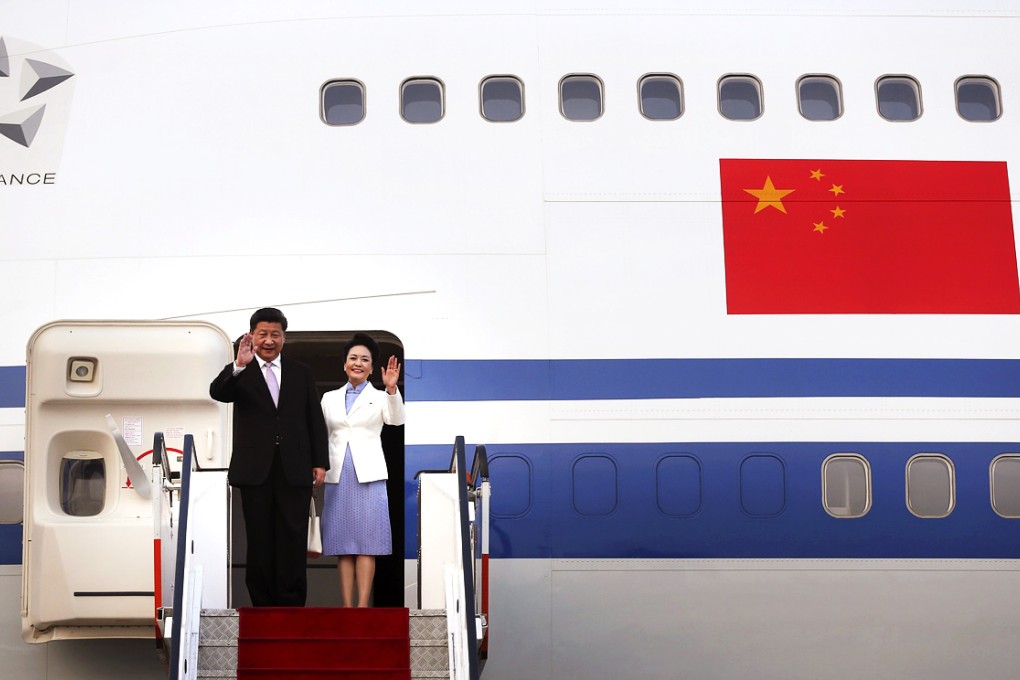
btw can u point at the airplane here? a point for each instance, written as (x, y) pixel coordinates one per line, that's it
(728, 291)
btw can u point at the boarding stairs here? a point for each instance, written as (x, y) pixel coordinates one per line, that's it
(428, 631)
(444, 637)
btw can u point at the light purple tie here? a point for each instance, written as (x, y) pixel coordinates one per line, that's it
(274, 386)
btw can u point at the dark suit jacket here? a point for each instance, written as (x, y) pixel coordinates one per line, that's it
(296, 424)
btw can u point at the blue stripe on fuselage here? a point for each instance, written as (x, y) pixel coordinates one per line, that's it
(581, 379)
(566, 379)
(635, 528)
(12, 386)
(537, 490)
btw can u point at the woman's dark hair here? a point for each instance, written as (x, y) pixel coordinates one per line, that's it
(269, 315)
(365, 341)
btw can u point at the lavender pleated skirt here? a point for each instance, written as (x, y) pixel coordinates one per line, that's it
(355, 516)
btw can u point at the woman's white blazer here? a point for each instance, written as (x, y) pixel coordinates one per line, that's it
(360, 428)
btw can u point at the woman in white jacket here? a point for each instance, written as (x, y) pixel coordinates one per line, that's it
(355, 514)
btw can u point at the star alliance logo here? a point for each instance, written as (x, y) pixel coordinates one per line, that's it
(35, 100)
(37, 77)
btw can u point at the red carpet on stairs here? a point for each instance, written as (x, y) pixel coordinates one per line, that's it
(323, 642)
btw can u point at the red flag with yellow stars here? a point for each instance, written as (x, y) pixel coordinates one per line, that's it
(868, 237)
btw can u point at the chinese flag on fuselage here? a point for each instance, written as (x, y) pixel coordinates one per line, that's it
(868, 237)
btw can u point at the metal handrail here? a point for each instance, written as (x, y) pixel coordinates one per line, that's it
(457, 465)
(180, 568)
(460, 593)
(171, 479)
(479, 465)
(158, 475)
(478, 493)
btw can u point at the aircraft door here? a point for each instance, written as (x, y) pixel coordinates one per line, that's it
(97, 393)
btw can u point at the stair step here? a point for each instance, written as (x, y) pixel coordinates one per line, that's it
(217, 655)
(428, 624)
(303, 622)
(218, 624)
(429, 657)
(217, 644)
(323, 674)
(337, 653)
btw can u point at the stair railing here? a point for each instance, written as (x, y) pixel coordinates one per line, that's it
(478, 493)
(449, 531)
(163, 486)
(175, 570)
(464, 636)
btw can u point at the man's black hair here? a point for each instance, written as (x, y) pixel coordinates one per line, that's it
(270, 315)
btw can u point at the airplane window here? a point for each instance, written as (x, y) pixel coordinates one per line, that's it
(740, 97)
(846, 485)
(593, 487)
(1005, 474)
(581, 98)
(678, 485)
(930, 485)
(762, 485)
(819, 98)
(12, 491)
(343, 102)
(421, 100)
(977, 99)
(515, 470)
(899, 98)
(661, 97)
(82, 483)
(502, 99)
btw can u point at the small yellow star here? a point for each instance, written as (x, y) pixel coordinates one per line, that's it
(838, 212)
(769, 196)
(817, 174)
(820, 227)
(837, 189)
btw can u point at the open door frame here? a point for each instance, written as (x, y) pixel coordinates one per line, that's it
(321, 351)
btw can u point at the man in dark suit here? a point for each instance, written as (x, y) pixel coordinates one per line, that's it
(280, 454)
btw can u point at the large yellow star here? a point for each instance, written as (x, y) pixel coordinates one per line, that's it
(769, 196)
